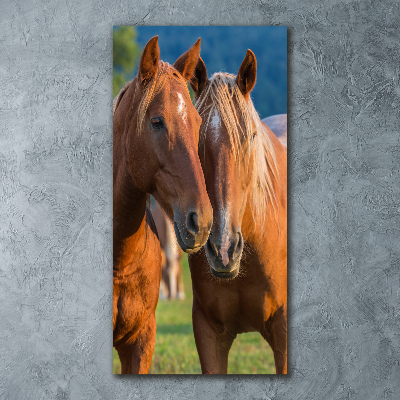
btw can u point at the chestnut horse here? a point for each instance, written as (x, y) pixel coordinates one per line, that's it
(240, 277)
(156, 133)
(171, 256)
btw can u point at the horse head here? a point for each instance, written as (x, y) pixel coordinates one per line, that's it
(227, 150)
(161, 128)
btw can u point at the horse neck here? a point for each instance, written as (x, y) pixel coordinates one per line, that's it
(275, 218)
(129, 202)
(129, 214)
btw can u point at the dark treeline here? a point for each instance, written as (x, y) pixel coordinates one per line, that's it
(223, 49)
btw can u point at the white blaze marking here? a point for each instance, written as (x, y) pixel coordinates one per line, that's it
(182, 108)
(215, 124)
(225, 243)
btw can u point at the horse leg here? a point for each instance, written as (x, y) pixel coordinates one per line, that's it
(213, 343)
(172, 279)
(161, 295)
(167, 281)
(136, 357)
(276, 335)
(163, 282)
(181, 289)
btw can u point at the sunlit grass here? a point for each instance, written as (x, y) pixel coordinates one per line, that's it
(175, 351)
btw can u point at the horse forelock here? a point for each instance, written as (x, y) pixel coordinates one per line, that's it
(165, 72)
(153, 87)
(223, 96)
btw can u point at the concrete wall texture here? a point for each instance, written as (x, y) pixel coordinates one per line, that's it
(56, 203)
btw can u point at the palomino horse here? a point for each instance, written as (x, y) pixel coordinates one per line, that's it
(240, 278)
(156, 133)
(171, 256)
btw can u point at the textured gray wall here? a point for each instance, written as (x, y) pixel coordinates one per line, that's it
(55, 215)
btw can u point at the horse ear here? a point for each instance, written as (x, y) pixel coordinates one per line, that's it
(149, 60)
(246, 77)
(187, 62)
(199, 79)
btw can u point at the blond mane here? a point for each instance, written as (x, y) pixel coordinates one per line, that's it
(164, 73)
(223, 95)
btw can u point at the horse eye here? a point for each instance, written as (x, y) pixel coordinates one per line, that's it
(157, 123)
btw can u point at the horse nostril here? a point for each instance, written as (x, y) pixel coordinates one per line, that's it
(240, 241)
(212, 248)
(192, 223)
(236, 246)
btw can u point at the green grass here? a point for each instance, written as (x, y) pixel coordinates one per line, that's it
(175, 351)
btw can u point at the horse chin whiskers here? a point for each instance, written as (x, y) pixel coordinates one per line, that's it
(240, 273)
(247, 251)
(212, 278)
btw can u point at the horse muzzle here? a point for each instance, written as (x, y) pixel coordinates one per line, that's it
(191, 233)
(224, 260)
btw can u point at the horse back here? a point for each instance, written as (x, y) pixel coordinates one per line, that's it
(278, 125)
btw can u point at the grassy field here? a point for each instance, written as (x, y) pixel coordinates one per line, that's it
(175, 351)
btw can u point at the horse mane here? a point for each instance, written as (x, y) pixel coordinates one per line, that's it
(225, 97)
(164, 73)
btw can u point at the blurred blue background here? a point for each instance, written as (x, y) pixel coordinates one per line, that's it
(223, 49)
